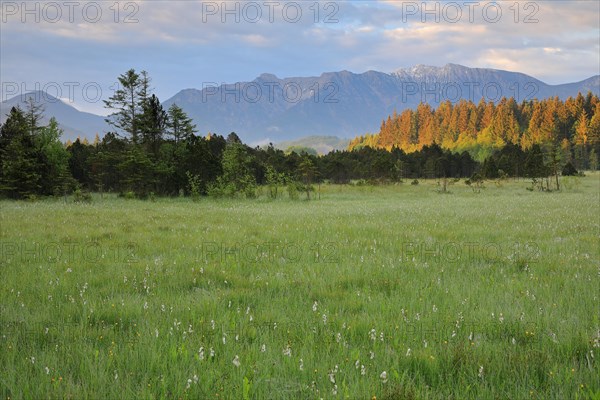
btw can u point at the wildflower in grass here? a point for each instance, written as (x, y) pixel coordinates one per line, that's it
(331, 375)
(371, 355)
(338, 337)
(363, 370)
(357, 364)
(301, 367)
(513, 341)
(480, 374)
(212, 324)
(435, 309)
(315, 306)
(324, 319)
(201, 353)
(224, 338)
(334, 390)
(383, 377)
(381, 336)
(373, 334)
(425, 343)
(145, 305)
(236, 361)
(287, 351)
(501, 318)
(116, 375)
(47, 370)
(212, 352)
(33, 360)
(69, 270)
(156, 332)
(408, 352)
(263, 348)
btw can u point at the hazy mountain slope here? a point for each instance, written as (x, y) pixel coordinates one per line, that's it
(340, 104)
(74, 122)
(345, 104)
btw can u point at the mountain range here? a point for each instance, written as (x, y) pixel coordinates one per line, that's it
(342, 104)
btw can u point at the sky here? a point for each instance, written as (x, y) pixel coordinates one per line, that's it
(75, 50)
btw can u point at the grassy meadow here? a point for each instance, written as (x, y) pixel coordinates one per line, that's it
(386, 292)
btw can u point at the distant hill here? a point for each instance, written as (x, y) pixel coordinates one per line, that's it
(73, 122)
(321, 144)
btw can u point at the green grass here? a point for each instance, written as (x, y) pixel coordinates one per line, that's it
(466, 295)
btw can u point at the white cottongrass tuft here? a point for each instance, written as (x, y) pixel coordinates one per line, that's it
(383, 377)
(373, 334)
(236, 361)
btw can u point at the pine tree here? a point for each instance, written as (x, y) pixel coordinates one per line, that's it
(128, 101)
(580, 141)
(138, 171)
(153, 124)
(179, 125)
(19, 176)
(236, 164)
(53, 159)
(308, 173)
(34, 114)
(593, 160)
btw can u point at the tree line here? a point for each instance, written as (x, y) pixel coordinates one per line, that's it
(153, 151)
(571, 126)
